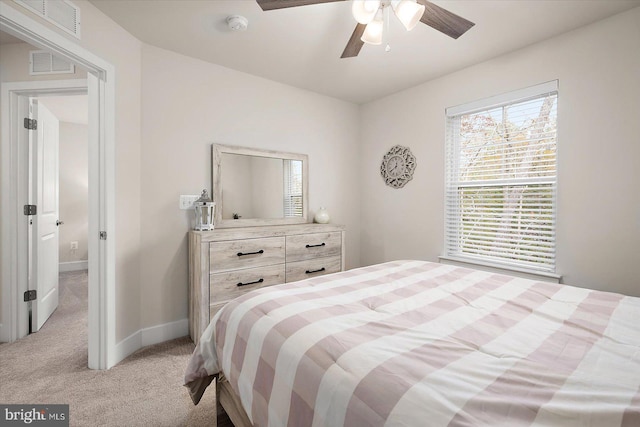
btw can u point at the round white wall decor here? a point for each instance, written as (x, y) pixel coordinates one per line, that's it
(397, 166)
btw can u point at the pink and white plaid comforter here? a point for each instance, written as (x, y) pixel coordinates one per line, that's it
(413, 343)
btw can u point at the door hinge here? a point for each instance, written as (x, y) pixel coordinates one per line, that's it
(30, 295)
(31, 124)
(30, 209)
(103, 235)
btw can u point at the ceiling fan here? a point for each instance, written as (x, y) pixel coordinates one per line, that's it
(371, 15)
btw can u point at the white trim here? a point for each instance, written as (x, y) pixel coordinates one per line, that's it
(18, 24)
(528, 258)
(511, 97)
(9, 241)
(165, 332)
(15, 182)
(497, 268)
(127, 346)
(73, 266)
(101, 88)
(149, 336)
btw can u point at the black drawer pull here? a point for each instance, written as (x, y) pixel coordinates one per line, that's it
(315, 246)
(315, 271)
(250, 253)
(250, 283)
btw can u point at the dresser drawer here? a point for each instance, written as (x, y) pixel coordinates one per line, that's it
(269, 255)
(226, 286)
(246, 253)
(315, 267)
(309, 246)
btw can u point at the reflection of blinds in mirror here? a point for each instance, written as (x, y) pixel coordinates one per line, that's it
(292, 188)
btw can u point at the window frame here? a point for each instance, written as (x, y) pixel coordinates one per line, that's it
(453, 252)
(293, 200)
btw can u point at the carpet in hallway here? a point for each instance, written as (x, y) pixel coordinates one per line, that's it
(145, 389)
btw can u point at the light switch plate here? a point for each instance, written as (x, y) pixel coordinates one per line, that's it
(186, 201)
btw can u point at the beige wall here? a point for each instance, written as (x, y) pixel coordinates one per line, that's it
(14, 65)
(254, 187)
(267, 187)
(238, 199)
(188, 105)
(74, 174)
(598, 228)
(112, 43)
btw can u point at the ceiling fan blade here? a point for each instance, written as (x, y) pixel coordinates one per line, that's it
(354, 44)
(444, 21)
(282, 4)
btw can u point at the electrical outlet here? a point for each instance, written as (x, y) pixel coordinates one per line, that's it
(74, 246)
(186, 201)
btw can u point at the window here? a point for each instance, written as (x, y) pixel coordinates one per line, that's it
(292, 188)
(500, 207)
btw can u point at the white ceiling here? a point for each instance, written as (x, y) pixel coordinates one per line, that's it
(301, 46)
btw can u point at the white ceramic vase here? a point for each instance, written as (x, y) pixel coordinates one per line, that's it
(322, 216)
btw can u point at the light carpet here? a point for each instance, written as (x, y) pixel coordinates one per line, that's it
(145, 389)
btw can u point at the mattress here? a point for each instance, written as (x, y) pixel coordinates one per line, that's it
(414, 343)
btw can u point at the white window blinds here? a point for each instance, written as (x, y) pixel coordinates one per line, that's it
(292, 188)
(500, 206)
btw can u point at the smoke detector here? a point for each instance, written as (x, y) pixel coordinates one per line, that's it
(237, 22)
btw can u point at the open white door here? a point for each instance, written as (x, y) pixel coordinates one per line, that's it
(46, 222)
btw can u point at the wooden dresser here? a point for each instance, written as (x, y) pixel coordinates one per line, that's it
(226, 263)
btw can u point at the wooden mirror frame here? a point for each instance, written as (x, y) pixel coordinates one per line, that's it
(216, 181)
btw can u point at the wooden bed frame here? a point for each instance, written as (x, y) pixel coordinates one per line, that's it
(228, 400)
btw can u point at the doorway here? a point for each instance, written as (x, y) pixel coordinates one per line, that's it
(71, 111)
(59, 189)
(100, 87)
(35, 176)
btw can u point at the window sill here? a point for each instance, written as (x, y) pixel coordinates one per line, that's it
(503, 269)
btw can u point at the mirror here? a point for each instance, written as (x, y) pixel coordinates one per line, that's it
(258, 187)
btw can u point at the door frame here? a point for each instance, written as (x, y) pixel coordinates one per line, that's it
(100, 86)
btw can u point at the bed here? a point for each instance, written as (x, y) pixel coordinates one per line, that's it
(414, 343)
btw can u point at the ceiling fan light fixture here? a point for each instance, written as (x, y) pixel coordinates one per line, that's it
(372, 28)
(408, 12)
(373, 32)
(364, 11)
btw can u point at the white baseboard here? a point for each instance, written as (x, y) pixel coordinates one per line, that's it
(149, 336)
(168, 331)
(125, 347)
(73, 266)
